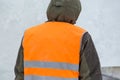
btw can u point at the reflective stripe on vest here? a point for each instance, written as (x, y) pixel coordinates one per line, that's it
(47, 78)
(56, 65)
(52, 51)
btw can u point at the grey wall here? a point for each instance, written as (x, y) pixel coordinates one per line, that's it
(100, 17)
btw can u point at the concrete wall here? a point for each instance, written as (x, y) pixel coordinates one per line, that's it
(100, 17)
(111, 72)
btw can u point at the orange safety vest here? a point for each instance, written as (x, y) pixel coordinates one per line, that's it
(52, 51)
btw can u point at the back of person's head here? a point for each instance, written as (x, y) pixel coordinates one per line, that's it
(64, 10)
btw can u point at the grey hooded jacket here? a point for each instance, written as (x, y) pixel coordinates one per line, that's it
(68, 11)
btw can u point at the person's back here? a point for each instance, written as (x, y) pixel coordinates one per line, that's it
(57, 49)
(53, 47)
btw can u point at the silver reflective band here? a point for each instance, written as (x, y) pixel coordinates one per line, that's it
(47, 78)
(57, 65)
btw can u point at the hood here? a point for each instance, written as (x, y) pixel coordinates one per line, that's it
(64, 10)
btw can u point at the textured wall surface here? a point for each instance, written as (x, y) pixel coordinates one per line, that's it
(100, 17)
(111, 73)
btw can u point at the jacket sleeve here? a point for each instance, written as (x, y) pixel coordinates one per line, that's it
(89, 64)
(19, 67)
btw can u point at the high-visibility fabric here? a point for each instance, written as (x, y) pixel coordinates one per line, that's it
(52, 50)
(47, 78)
(57, 65)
